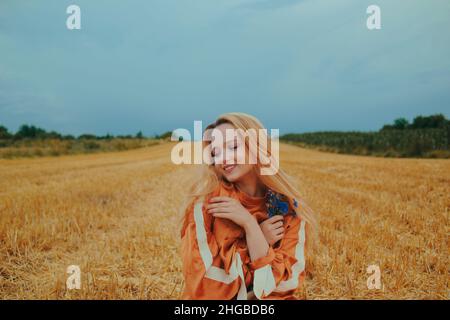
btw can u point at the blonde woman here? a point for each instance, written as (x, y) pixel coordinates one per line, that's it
(243, 233)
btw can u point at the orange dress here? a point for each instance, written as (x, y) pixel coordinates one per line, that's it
(216, 261)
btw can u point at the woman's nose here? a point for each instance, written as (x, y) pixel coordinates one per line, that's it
(229, 158)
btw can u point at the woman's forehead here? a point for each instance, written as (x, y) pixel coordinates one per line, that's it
(228, 132)
(224, 127)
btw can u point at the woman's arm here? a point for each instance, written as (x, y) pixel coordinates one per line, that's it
(201, 257)
(230, 208)
(256, 242)
(283, 269)
(277, 269)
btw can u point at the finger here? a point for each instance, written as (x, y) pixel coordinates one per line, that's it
(216, 205)
(221, 209)
(220, 215)
(220, 199)
(279, 230)
(219, 205)
(277, 225)
(279, 236)
(275, 218)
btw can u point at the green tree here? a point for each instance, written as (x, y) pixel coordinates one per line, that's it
(30, 132)
(401, 123)
(433, 121)
(4, 134)
(139, 135)
(53, 135)
(387, 127)
(108, 136)
(87, 136)
(165, 136)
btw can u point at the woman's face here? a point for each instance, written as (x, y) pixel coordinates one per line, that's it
(231, 158)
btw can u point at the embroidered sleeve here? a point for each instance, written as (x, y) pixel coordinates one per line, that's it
(201, 257)
(282, 268)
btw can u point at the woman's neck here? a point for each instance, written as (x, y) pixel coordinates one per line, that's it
(251, 186)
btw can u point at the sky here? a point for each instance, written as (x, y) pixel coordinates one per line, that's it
(158, 65)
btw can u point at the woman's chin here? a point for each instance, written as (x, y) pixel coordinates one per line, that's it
(232, 177)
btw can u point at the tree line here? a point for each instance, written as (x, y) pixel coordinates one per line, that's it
(437, 121)
(425, 136)
(33, 132)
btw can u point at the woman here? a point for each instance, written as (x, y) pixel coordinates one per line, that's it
(243, 234)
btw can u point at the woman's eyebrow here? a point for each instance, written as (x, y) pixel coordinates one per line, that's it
(231, 141)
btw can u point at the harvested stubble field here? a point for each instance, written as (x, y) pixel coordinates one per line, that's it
(115, 215)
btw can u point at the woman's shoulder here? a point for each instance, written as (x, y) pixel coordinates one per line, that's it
(222, 190)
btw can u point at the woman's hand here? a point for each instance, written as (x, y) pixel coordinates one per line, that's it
(272, 229)
(230, 208)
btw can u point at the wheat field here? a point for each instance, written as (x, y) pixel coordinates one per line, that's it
(115, 215)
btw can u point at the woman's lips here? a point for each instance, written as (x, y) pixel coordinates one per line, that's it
(228, 168)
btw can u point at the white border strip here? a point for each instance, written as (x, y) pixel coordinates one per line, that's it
(213, 272)
(299, 266)
(264, 281)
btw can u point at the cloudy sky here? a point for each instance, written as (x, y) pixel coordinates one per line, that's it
(157, 65)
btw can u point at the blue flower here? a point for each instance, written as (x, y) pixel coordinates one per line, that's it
(276, 203)
(283, 206)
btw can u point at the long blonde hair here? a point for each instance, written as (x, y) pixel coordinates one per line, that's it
(207, 180)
